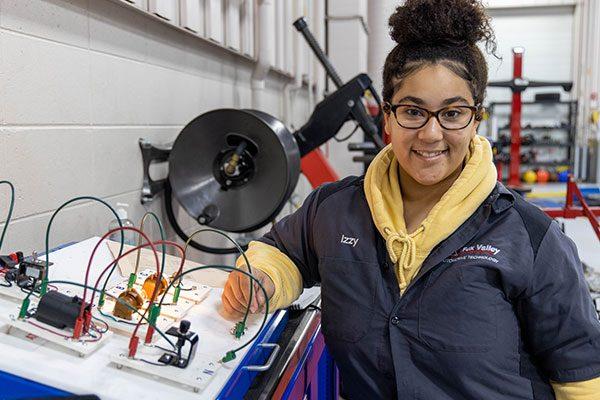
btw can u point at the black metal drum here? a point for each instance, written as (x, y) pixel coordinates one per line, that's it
(234, 170)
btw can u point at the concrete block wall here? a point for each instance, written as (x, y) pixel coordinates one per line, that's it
(348, 53)
(81, 82)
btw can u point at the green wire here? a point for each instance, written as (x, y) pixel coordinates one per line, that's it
(230, 269)
(162, 237)
(10, 210)
(63, 206)
(120, 321)
(116, 299)
(237, 245)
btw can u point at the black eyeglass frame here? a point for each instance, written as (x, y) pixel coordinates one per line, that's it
(391, 108)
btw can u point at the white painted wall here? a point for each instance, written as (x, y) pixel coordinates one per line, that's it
(546, 33)
(380, 43)
(349, 55)
(81, 81)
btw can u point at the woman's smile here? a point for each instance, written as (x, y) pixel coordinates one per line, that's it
(430, 156)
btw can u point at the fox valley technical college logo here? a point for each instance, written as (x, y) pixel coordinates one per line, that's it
(475, 252)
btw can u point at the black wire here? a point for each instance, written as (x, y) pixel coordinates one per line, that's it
(151, 362)
(166, 350)
(28, 291)
(103, 321)
(29, 285)
(120, 320)
(183, 235)
(93, 336)
(347, 137)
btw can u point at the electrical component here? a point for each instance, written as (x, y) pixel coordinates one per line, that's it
(35, 269)
(9, 261)
(131, 297)
(150, 283)
(183, 335)
(230, 355)
(239, 329)
(11, 275)
(59, 310)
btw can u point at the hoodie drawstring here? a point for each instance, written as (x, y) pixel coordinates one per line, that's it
(404, 256)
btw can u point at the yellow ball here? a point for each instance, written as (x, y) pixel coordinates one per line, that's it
(529, 176)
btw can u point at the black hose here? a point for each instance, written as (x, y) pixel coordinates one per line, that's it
(182, 234)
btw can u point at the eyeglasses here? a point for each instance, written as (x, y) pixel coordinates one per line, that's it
(414, 117)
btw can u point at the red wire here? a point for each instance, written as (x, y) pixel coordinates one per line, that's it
(62, 335)
(116, 260)
(182, 251)
(89, 266)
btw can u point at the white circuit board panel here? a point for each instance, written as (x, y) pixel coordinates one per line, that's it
(170, 314)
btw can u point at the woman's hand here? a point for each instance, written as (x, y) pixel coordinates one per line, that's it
(237, 292)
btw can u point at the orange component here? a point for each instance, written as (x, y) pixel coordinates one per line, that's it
(130, 297)
(150, 283)
(543, 176)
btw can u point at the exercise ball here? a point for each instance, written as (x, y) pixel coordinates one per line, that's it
(543, 176)
(529, 176)
(563, 176)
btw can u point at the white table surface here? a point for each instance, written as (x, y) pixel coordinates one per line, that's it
(50, 364)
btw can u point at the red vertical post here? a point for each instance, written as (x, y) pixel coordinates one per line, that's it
(499, 168)
(570, 192)
(514, 176)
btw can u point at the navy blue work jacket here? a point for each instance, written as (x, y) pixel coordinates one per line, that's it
(498, 309)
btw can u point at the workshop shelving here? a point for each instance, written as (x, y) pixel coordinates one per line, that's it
(547, 132)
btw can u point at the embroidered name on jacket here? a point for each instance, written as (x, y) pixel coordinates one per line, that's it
(475, 252)
(349, 240)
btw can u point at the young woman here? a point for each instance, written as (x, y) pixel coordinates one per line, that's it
(437, 282)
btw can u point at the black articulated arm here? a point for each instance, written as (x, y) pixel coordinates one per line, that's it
(520, 84)
(357, 112)
(331, 113)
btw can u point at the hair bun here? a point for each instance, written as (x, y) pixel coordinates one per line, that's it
(441, 22)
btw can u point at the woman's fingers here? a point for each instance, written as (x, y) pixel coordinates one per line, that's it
(260, 296)
(243, 289)
(230, 292)
(237, 287)
(229, 310)
(244, 284)
(236, 293)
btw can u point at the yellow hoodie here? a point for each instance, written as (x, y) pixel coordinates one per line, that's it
(408, 251)
(382, 189)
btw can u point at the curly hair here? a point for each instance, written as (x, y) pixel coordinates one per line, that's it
(445, 32)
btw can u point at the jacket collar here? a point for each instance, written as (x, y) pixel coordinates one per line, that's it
(501, 198)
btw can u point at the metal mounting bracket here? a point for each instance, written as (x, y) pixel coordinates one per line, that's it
(150, 154)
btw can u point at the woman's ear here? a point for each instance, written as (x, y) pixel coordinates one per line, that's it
(478, 117)
(386, 118)
(480, 113)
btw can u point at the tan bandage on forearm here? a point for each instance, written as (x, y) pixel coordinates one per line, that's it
(280, 268)
(582, 390)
